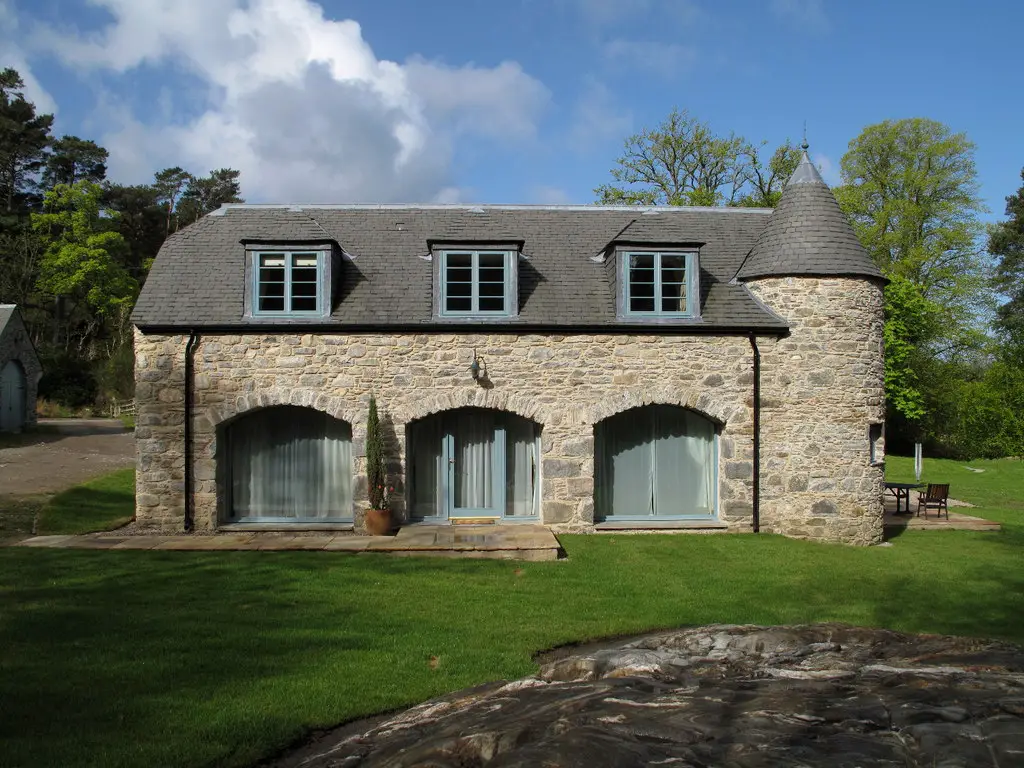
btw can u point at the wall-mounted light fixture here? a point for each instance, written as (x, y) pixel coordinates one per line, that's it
(478, 368)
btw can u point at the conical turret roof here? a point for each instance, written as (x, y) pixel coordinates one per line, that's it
(807, 234)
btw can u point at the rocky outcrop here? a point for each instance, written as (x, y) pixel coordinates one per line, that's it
(720, 696)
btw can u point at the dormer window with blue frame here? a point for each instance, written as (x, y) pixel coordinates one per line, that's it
(477, 283)
(658, 284)
(289, 283)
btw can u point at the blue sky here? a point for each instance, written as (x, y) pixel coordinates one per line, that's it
(523, 101)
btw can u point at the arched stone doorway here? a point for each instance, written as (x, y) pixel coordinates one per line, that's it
(285, 464)
(657, 462)
(474, 463)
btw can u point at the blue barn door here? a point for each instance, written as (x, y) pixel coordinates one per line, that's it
(12, 397)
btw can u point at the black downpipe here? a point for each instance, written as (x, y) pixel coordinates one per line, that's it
(190, 349)
(757, 434)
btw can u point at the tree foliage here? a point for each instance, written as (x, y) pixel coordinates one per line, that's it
(910, 189)
(1006, 243)
(72, 159)
(376, 474)
(683, 162)
(24, 137)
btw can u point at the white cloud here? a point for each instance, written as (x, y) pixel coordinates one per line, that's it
(597, 117)
(12, 55)
(664, 59)
(298, 102)
(548, 195)
(806, 13)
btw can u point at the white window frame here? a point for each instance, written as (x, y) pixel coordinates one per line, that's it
(509, 296)
(289, 255)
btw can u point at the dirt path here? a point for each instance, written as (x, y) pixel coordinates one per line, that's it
(65, 452)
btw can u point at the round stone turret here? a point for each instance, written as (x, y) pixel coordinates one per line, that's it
(808, 234)
(822, 393)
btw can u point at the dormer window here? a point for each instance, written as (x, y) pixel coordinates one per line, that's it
(477, 283)
(658, 284)
(289, 283)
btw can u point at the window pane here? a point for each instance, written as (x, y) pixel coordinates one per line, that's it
(492, 289)
(304, 289)
(492, 304)
(272, 304)
(304, 259)
(492, 275)
(272, 275)
(304, 275)
(491, 260)
(459, 275)
(459, 260)
(460, 289)
(458, 304)
(641, 261)
(641, 305)
(272, 260)
(304, 304)
(673, 261)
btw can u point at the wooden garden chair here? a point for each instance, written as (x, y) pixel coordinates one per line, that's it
(935, 495)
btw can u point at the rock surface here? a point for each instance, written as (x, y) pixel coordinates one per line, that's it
(719, 696)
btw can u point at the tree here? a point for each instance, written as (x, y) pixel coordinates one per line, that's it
(83, 260)
(208, 193)
(72, 159)
(1006, 242)
(24, 137)
(169, 184)
(910, 189)
(140, 221)
(682, 162)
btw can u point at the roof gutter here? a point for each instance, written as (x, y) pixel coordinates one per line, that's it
(190, 350)
(756, 512)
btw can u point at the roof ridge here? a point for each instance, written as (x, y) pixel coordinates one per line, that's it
(484, 208)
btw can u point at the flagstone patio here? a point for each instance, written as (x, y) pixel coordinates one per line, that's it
(511, 542)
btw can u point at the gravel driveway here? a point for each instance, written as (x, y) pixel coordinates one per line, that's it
(65, 453)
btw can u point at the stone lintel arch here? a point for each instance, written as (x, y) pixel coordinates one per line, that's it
(339, 408)
(522, 405)
(700, 402)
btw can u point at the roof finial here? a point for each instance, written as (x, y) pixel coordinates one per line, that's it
(805, 146)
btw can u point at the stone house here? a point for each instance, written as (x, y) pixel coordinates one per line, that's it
(20, 372)
(584, 367)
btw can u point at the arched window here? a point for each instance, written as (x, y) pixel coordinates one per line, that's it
(287, 464)
(474, 463)
(658, 461)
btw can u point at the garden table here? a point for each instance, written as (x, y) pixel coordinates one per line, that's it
(902, 492)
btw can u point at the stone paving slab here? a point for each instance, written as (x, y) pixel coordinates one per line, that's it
(522, 542)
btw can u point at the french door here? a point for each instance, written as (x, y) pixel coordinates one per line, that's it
(473, 463)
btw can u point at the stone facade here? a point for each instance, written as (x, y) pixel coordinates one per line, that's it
(821, 389)
(566, 383)
(16, 345)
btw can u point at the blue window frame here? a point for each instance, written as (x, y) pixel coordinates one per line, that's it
(288, 283)
(659, 284)
(477, 283)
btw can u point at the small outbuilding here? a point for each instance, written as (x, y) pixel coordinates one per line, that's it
(20, 371)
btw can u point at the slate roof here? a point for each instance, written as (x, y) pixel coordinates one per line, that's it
(808, 234)
(6, 313)
(198, 279)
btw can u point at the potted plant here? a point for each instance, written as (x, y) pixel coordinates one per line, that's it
(377, 520)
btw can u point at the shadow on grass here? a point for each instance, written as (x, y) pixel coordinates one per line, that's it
(102, 504)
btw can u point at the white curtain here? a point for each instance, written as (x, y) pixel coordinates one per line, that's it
(520, 467)
(655, 461)
(426, 459)
(292, 463)
(473, 434)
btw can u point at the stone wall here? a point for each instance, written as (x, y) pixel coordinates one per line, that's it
(822, 387)
(566, 383)
(15, 345)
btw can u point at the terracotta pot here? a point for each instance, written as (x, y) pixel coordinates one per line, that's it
(377, 522)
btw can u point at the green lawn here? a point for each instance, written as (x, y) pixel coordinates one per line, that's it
(102, 504)
(195, 659)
